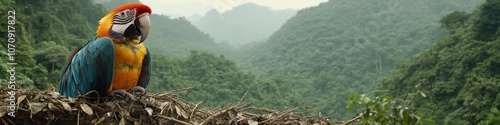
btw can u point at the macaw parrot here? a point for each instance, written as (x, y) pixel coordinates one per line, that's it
(116, 62)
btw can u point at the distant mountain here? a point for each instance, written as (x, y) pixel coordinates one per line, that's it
(194, 17)
(343, 47)
(243, 24)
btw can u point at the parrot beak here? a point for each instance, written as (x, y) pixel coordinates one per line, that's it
(140, 28)
(144, 25)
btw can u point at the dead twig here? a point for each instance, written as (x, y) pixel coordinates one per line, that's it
(353, 120)
(10, 121)
(260, 110)
(29, 108)
(78, 119)
(239, 102)
(174, 91)
(173, 119)
(3, 121)
(240, 107)
(215, 115)
(93, 91)
(194, 109)
(103, 117)
(279, 116)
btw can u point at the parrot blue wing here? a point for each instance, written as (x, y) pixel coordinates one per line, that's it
(89, 68)
(145, 70)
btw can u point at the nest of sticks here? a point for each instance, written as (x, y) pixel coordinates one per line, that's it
(49, 107)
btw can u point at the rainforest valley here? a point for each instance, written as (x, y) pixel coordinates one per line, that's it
(431, 61)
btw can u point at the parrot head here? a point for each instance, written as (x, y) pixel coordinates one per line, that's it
(128, 22)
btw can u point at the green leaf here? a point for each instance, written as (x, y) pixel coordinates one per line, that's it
(406, 117)
(350, 106)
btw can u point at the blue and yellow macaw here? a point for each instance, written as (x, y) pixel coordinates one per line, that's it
(116, 62)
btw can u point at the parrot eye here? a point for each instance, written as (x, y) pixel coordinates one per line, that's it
(124, 17)
(124, 13)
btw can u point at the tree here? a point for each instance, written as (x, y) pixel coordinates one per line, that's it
(486, 27)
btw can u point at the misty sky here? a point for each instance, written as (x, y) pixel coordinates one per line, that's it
(190, 7)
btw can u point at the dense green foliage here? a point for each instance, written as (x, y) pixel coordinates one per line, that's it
(343, 47)
(453, 20)
(217, 82)
(383, 111)
(242, 24)
(45, 31)
(487, 26)
(460, 74)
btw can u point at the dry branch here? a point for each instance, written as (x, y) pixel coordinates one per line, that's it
(48, 107)
(173, 119)
(353, 120)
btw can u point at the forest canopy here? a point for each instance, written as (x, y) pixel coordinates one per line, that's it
(343, 47)
(459, 75)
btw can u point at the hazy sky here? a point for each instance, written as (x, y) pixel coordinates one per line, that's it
(190, 7)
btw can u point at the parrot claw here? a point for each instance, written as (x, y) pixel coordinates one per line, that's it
(138, 90)
(122, 94)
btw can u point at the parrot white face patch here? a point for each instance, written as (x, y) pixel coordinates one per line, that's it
(121, 21)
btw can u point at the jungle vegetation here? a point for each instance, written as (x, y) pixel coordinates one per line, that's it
(436, 60)
(343, 47)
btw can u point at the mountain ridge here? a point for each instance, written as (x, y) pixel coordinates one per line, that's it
(242, 24)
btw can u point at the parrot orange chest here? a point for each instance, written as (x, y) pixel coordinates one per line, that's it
(128, 64)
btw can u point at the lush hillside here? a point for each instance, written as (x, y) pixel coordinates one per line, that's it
(342, 47)
(45, 31)
(243, 24)
(175, 36)
(460, 75)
